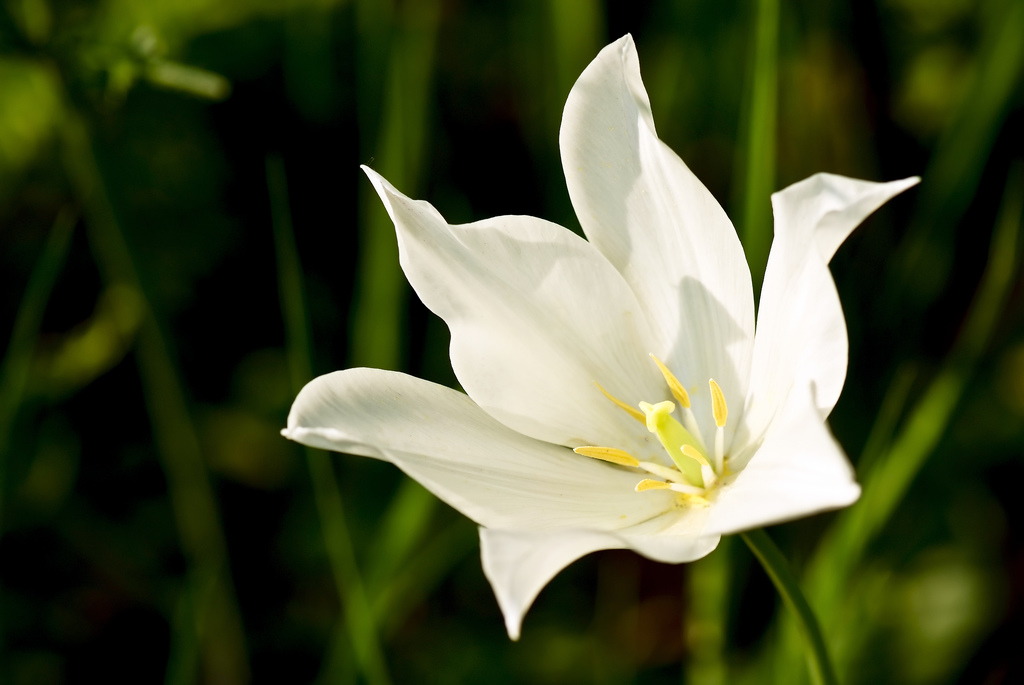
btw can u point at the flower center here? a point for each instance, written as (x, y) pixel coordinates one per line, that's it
(695, 470)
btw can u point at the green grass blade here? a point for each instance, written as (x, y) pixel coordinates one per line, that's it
(955, 169)
(338, 541)
(886, 483)
(887, 476)
(405, 41)
(424, 571)
(889, 413)
(380, 292)
(405, 522)
(298, 349)
(577, 27)
(782, 576)
(217, 622)
(757, 138)
(17, 359)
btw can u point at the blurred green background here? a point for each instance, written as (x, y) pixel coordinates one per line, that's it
(186, 238)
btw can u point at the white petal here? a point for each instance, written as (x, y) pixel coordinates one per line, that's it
(490, 473)
(799, 470)
(519, 564)
(538, 317)
(660, 227)
(828, 207)
(801, 332)
(675, 537)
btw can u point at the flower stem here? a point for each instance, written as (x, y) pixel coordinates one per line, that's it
(778, 569)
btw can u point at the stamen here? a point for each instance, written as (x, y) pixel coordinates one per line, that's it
(706, 469)
(683, 397)
(721, 413)
(665, 472)
(648, 484)
(686, 489)
(678, 391)
(622, 405)
(692, 453)
(718, 407)
(609, 454)
(690, 421)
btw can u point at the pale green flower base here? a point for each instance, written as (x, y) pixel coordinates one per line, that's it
(777, 568)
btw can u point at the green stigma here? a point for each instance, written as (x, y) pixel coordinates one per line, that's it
(673, 438)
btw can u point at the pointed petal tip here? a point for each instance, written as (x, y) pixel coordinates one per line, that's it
(388, 194)
(624, 49)
(905, 183)
(378, 181)
(295, 433)
(520, 563)
(370, 173)
(854, 494)
(513, 627)
(627, 49)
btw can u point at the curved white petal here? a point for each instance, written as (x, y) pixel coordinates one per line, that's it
(675, 537)
(520, 563)
(538, 318)
(828, 207)
(645, 210)
(799, 470)
(490, 473)
(801, 331)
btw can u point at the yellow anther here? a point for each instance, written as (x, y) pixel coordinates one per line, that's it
(623, 406)
(718, 407)
(648, 484)
(678, 391)
(692, 453)
(609, 454)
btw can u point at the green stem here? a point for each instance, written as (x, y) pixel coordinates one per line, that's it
(707, 617)
(348, 579)
(778, 569)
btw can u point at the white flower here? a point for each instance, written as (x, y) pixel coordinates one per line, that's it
(562, 343)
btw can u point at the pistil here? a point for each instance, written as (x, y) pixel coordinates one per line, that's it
(695, 472)
(673, 436)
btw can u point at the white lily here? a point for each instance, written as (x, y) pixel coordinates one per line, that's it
(561, 343)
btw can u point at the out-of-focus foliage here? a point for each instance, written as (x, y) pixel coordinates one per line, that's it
(185, 238)
(30, 111)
